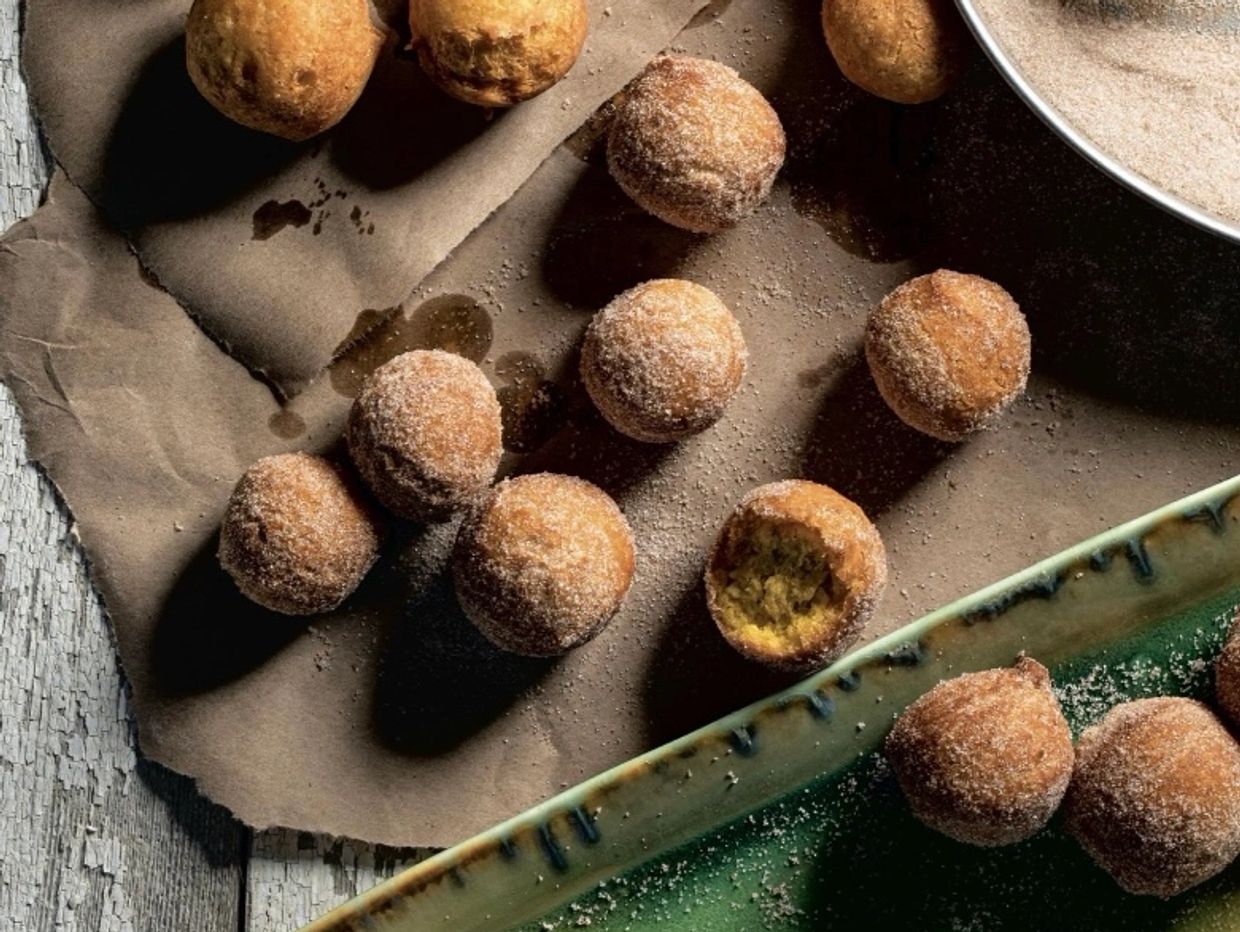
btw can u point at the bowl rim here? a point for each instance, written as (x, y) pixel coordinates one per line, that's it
(1139, 184)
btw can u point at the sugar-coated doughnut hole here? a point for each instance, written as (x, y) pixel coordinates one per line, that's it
(298, 535)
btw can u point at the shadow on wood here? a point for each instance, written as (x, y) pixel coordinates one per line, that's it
(223, 840)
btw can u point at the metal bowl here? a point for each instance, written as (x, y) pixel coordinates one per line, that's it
(1056, 121)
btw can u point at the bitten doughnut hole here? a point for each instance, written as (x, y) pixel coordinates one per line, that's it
(794, 575)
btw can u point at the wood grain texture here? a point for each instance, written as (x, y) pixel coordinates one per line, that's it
(295, 877)
(91, 837)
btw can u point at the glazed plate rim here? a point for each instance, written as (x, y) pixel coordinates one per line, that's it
(1137, 183)
(1207, 503)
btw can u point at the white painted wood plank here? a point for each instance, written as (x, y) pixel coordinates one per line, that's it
(295, 877)
(91, 838)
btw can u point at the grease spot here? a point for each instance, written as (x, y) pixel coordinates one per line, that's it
(274, 216)
(532, 407)
(286, 424)
(357, 217)
(453, 323)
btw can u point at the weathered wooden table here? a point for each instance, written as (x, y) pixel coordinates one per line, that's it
(91, 836)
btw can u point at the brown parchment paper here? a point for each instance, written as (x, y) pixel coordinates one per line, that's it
(284, 252)
(392, 720)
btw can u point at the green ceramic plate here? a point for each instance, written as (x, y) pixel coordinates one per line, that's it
(783, 816)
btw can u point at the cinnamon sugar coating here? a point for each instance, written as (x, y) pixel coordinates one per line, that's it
(298, 536)
(425, 433)
(543, 563)
(984, 758)
(662, 361)
(949, 353)
(1155, 798)
(1227, 676)
(694, 144)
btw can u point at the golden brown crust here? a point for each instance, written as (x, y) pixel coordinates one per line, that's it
(985, 758)
(284, 67)
(694, 144)
(426, 435)
(543, 563)
(298, 536)
(907, 51)
(662, 361)
(1227, 676)
(850, 545)
(949, 353)
(496, 53)
(1155, 798)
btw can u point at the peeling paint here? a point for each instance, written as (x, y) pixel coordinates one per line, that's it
(92, 839)
(295, 878)
(84, 846)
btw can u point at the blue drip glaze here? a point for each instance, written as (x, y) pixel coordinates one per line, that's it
(508, 849)
(907, 655)
(1100, 561)
(585, 825)
(551, 848)
(1213, 513)
(1140, 560)
(1044, 588)
(742, 739)
(850, 681)
(457, 880)
(820, 706)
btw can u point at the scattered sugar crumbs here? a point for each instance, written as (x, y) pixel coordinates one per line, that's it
(757, 873)
(749, 875)
(1187, 671)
